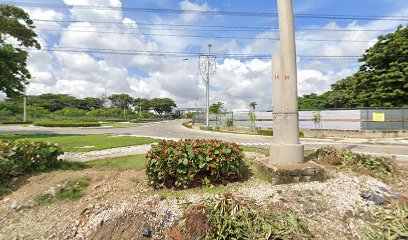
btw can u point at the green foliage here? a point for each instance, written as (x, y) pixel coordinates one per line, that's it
(265, 132)
(382, 80)
(67, 124)
(105, 113)
(217, 108)
(72, 190)
(344, 159)
(16, 23)
(19, 157)
(162, 105)
(70, 112)
(193, 162)
(89, 103)
(15, 122)
(229, 122)
(389, 224)
(234, 218)
(187, 124)
(52, 102)
(253, 106)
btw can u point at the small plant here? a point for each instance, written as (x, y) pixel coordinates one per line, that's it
(233, 218)
(67, 124)
(72, 190)
(344, 159)
(265, 132)
(193, 162)
(317, 117)
(187, 124)
(390, 224)
(252, 118)
(229, 122)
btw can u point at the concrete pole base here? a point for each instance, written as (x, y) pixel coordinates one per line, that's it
(286, 153)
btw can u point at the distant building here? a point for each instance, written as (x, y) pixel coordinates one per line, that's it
(181, 111)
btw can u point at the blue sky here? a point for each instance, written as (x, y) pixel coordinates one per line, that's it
(236, 82)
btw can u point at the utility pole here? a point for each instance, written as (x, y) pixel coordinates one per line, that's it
(207, 66)
(285, 148)
(140, 108)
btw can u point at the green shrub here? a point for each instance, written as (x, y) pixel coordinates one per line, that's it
(265, 132)
(344, 159)
(16, 122)
(18, 157)
(193, 162)
(67, 124)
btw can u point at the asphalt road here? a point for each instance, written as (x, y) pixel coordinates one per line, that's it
(174, 130)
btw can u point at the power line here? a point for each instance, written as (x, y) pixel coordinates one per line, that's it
(130, 52)
(222, 28)
(208, 12)
(200, 36)
(244, 28)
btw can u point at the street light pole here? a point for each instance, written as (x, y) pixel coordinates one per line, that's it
(207, 66)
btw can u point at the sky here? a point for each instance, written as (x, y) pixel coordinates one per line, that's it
(71, 61)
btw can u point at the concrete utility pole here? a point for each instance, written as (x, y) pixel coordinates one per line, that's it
(207, 65)
(285, 148)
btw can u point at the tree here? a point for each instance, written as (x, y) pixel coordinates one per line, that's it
(122, 101)
(216, 108)
(141, 104)
(382, 80)
(52, 102)
(89, 103)
(253, 105)
(15, 23)
(162, 105)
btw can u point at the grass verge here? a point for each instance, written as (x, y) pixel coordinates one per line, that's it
(136, 162)
(82, 143)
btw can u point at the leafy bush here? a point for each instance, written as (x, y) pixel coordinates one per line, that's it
(232, 218)
(70, 112)
(15, 122)
(17, 157)
(344, 159)
(265, 132)
(193, 162)
(67, 124)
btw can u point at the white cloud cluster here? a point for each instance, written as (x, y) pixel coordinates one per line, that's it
(236, 82)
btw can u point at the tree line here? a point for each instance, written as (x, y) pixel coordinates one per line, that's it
(381, 81)
(64, 105)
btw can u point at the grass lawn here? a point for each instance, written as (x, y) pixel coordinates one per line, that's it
(82, 143)
(120, 125)
(137, 162)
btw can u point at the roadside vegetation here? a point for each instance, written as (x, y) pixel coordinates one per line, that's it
(344, 159)
(229, 217)
(81, 143)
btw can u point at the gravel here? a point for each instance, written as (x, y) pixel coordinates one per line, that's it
(107, 153)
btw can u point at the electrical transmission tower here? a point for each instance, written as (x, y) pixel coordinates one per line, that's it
(207, 66)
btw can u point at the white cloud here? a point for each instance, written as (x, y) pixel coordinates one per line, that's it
(236, 82)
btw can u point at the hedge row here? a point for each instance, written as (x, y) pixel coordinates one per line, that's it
(17, 158)
(193, 162)
(16, 122)
(67, 124)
